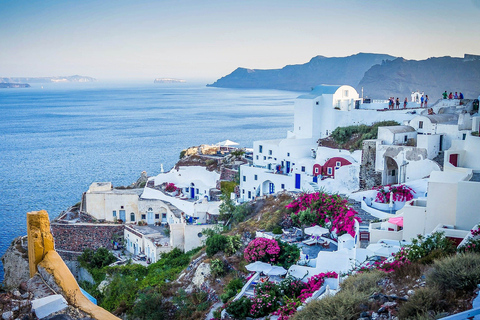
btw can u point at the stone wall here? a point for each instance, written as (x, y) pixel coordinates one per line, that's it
(71, 239)
(369, 178)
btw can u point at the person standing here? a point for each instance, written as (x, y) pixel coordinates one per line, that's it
(460, 95)
(450, 96)
(426, 100)
(455, 96)
(405, 102)
(397, 103)
(421, 101)
(445, 94)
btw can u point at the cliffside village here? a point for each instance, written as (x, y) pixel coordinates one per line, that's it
(435, 152)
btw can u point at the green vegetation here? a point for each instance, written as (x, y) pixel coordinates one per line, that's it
(182, 154)
(238, 153)
(346, 304)
(210, 162)
(240, 309)
(459, 273)
(232, 288)
(342, 135)
(221, 243)
(217, 267)
(98, 259)
(227, 187)
(422, 303)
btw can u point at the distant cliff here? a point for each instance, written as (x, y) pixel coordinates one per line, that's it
(14, 85)
(433, 76)
(302, 77)
(75, 78)
(168, 80)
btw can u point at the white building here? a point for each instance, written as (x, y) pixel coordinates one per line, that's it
(297, 163)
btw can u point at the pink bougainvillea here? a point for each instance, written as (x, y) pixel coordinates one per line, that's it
(170, 187)
(401, 193)
(262, 249)
(315, 283)
(325, 210)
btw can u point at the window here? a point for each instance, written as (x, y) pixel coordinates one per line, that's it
(326, 132)
(316, 102)
(420, 124)
(393, 172)
(329, 170)
(249, 194)
(157, 215)
(243, 191)
(257, 157)
(269, 152)
(114, 213)
(144, 216)
(121, 207)
(303, 168)
(244, 178)
(196, 191)
(255, 177)
(200, 235)
(345, 93)
(164, 216)
(288, 154)
(186, 189)
(338, 164)
(405, 139)
(264, 158)
(316, 169)
(283, 185)
(464, 136)
(132, 216)
(260, 149)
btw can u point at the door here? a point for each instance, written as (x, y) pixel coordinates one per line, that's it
(287, 170)
(271, 188)
(122, 215)
(441, 143)
(297, 181)
(192, 192)
(315, 179)
(150, 219)
(454, 159)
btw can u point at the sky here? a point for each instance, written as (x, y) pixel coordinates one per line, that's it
(205, 40)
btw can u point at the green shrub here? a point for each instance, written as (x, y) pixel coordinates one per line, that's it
(460, 272)
(424, 302)
(289, 254)
(365, 282)
(215, 243)
(227, 187)
(98, 259)
(436, 245)
(241, 212)
(191, 305)
(277, 230)
(182, 154)
(152, 306)
(232, 288)
(232, 245)
(217, 267)
(122, 290)
(209, 162)
(342, 135)
(240, 309)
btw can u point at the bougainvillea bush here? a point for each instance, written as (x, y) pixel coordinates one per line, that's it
(315, 283)
(323, 209)
(262, 249)
(170, 187)
(401, 193)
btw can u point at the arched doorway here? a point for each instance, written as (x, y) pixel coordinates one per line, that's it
(390, 173)
(268, 187)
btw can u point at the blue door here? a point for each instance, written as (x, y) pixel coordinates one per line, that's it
(271, 188)
(297, 180)
(122, 215)
(287, 167)
(192, 192)
(150, 217)
(315, 179)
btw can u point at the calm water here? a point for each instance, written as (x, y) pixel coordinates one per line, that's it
(56, 141)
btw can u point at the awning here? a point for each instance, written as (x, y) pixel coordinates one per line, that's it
(396, 220)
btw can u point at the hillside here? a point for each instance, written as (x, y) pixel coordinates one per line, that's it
(302, 77)
(433, 76)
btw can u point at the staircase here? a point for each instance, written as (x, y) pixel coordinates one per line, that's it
(314, 186)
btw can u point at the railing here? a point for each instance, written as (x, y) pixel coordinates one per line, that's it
(469, 314)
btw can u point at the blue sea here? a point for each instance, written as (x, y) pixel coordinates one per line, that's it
(56, 139)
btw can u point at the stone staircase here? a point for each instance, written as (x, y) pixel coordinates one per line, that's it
(314, 186)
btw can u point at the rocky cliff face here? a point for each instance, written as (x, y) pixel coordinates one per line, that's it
(433, 76)
(319, 70)
(15, 263)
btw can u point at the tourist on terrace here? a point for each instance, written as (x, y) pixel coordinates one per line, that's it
(456, 95)
(405, 102)
(421, 101)
(445, 94)
(397, 103)
(450, 96)
(460, 96)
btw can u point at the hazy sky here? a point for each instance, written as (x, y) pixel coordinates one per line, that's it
(208, 39)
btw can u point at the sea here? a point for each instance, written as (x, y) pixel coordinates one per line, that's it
(58, 138)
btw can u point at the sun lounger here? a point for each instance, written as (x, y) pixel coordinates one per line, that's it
(309, 242)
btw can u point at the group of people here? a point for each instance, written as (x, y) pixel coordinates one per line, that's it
(395, 103)
(452, 96)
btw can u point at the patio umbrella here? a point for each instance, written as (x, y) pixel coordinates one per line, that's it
(258, 266)
(275, 271)
(316, 230)
(396, 220)
(383, 250)
(226, 143)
